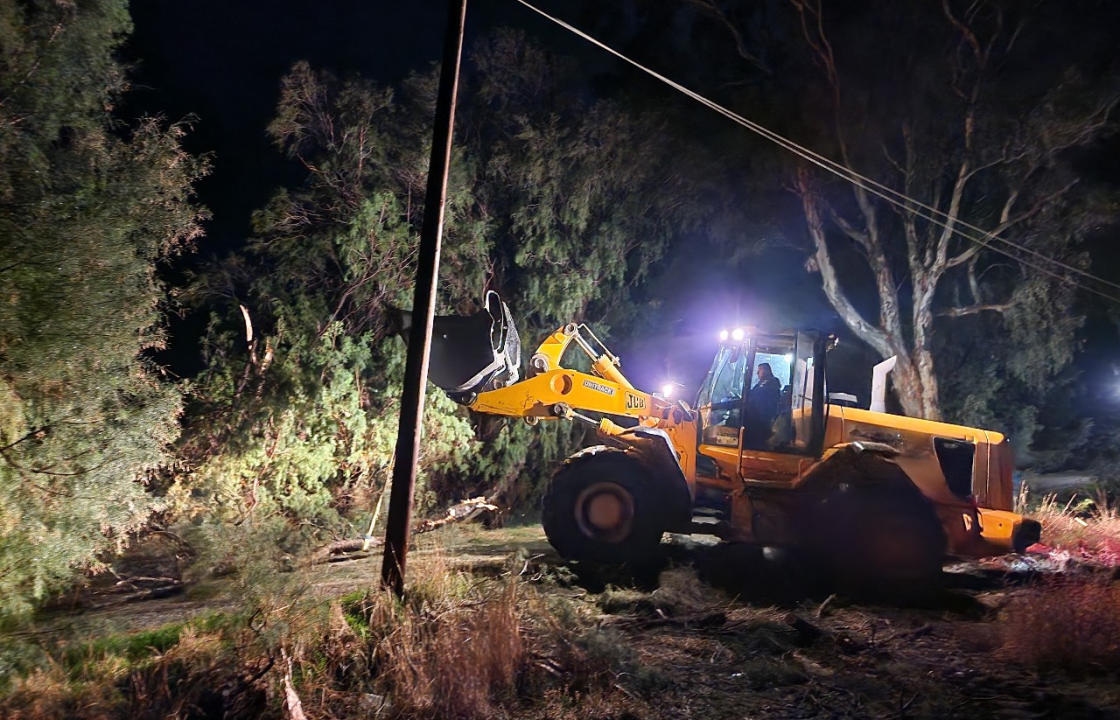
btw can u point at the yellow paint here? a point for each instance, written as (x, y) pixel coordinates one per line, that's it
(536, 396)
(913, 425)
(555, 389)
(998, 527)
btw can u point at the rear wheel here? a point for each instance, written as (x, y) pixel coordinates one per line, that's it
(876, 533)
(601, 506)
(886, 542)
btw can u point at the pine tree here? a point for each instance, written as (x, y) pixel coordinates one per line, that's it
(561, 207)
(88, 208)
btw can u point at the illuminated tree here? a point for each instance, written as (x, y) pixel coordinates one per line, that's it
(88, 208)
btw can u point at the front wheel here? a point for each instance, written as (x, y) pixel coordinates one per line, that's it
(601, 506)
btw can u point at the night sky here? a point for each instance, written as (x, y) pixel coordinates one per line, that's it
(222, 63)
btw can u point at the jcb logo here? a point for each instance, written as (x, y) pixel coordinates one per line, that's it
(633, 402)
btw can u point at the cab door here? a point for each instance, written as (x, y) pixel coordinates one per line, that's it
(774, 434)
(720, 406)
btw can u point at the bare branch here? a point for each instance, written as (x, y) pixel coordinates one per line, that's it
(909, 222)
(1006, 222)
(966, 33)
(867, 332)
(859, 236)
(974, 282)
(711, 8)
(974, 309)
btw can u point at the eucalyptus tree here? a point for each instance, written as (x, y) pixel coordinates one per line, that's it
(970, 111)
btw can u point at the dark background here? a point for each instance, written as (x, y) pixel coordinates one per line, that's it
(221, 63)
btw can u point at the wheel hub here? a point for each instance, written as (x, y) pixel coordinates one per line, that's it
(605, 511)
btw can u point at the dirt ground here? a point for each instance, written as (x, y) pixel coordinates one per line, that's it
(715, 631)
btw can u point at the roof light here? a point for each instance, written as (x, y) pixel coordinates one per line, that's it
(723, 336)
(667, 389)
(737, 334)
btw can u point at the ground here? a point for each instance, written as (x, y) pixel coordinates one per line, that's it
(716, 631)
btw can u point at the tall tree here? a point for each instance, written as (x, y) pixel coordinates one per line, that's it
(555, 205)
(88, 208)
(968, 108)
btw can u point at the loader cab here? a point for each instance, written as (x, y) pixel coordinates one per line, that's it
(738, 412)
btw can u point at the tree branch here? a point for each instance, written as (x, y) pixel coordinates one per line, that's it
(859, 236)
(1006, 222)
(711, 8)
(974, 309)
(869, 238)
(872, 335)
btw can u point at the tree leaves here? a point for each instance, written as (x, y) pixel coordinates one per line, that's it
(88, 207)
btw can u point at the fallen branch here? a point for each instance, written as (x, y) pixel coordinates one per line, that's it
(808, 633)
(461, 512)
(824, 605)
(291, 699)
(697, 620)
(154, 593)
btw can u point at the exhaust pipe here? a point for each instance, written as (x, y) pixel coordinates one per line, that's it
(879, 384)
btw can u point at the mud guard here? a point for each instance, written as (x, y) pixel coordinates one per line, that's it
(862, 464)
(872, 526)
(652, 448)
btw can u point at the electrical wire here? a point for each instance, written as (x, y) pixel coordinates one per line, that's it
(884, 192)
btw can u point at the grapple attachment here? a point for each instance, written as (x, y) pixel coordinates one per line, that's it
(473, 353)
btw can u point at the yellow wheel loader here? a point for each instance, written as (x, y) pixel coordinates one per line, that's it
(763, 457)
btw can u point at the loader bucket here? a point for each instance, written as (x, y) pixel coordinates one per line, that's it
(473, 353)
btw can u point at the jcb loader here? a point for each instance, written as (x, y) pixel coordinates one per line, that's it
(873, 495)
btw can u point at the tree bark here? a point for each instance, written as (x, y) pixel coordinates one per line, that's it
(915, 387)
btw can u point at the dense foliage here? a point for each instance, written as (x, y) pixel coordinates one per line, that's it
(573, 195)
(88, 208)
(561, 210)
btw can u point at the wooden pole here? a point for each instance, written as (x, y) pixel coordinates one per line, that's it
(423, 308)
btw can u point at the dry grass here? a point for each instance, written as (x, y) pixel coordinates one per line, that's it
(457, 646)
(1081, 524)
(1069, 623)
(455, 661)
(198, 673)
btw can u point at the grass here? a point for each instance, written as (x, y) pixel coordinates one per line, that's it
(456, 646)
(1070, 623)
(1090, 526)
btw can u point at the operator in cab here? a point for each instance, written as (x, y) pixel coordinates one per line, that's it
(762, 407)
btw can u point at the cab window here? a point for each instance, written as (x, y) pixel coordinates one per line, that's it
(721, 398)
(769, 402)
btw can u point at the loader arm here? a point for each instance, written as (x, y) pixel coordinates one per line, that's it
(553, 391)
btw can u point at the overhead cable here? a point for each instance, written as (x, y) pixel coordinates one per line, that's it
(884, 192)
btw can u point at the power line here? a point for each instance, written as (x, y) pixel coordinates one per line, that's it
(884, 192)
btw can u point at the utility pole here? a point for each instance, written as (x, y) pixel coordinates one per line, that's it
(423, 308)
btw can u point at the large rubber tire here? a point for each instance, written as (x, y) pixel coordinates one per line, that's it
(602, 506)
(880, 541)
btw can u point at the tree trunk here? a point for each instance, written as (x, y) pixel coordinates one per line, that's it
(914, 380)
(916, 388)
